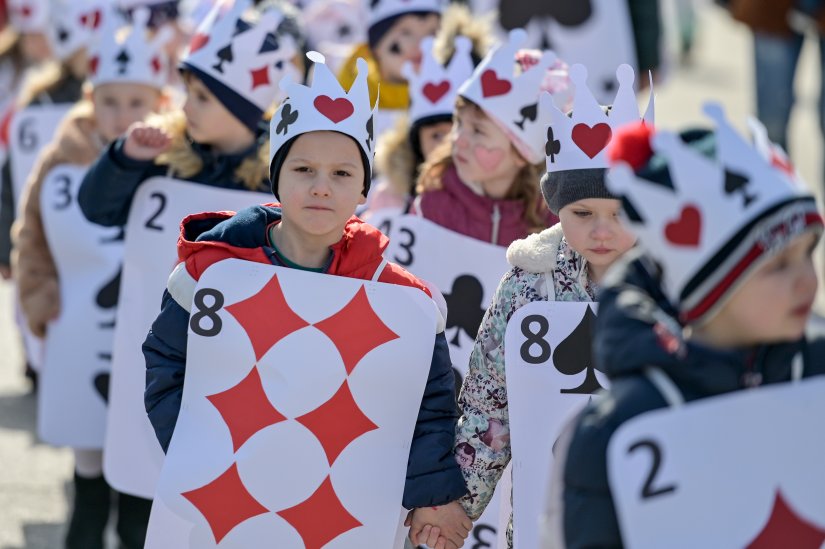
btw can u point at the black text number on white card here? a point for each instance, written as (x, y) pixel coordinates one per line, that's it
(26, 136)
(64, 196)
(648, 489)
(151, 223)
(536, 338)
(480, 542)
(208, 312)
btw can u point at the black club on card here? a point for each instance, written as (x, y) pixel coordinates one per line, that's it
(574, 355)
(553, 146)
(370, 131)
(465, 306)
(122, 61)
(530, 112)
(288, 117)
(100, 381)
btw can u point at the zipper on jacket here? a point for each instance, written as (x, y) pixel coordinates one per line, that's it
(496, 217)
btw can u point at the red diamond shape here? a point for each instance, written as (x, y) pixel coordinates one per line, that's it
(260, 76)
(266, 317)
(787, 529)
(337, 422)
(246, 409)
(320, 518)
(225, 503)
(356, 330)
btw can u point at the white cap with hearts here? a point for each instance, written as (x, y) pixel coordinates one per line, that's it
(73, 25)
(29, 15)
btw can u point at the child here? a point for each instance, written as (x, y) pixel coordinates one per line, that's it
(395, 29)
(714, 307)
(482, 183)
(321, 171)
(460, 43)
(566, 262)
(217, 139)
(113, 100)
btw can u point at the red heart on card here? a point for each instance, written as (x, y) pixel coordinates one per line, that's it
(334, 109)
(592, 140)
(686, 230)
(91, 19)
(434, 92)
(198, 41)
(492, 85)
(93, 64)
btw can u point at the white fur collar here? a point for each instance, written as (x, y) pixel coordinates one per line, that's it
(537, 252)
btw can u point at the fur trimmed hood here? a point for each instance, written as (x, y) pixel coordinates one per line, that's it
(536, 253)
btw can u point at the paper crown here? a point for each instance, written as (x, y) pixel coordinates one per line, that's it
(73, 25)
(511, 99)
(325, 106)
(580, 141)
(245, 58)
(135, 58)
(434, 87)
(29, 15)
(719, 217)
(384, 9)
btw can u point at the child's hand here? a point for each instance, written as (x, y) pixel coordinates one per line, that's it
(445, 526)
(145, 142)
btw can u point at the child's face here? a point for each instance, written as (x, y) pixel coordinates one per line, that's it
(482, 152)
(209, 122)
(593, 229)
(320, 184)
(432, 135)
(774, 303)
(119, 104)
(401, 44)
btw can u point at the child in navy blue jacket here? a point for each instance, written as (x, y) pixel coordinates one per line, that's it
(217, 138)
(320, 168)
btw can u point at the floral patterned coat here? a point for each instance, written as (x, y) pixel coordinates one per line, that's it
(545, 268)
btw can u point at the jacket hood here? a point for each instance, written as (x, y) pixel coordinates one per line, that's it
(637, 328)
(536, 253)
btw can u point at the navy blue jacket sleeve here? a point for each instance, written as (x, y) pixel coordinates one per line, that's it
(433, 475)
(6, 214)
(165, 353)
(106, 192)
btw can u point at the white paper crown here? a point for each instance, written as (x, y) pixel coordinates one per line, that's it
(384, 9)
(29, 15)
(325, 106)
(247, 58)
(434, 87)
(510, 98)
(73, 25)
(687, 227)
(581, 141)
(135, 58)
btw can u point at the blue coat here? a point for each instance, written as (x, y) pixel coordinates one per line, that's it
(433, 476)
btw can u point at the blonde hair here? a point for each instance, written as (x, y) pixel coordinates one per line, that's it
(395, 159)
(525, 186)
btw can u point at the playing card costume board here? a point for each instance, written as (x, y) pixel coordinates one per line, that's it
(74, 379)
(738, 470)
(596, 33)
(302, 391)
(550, 376)
(133, 456)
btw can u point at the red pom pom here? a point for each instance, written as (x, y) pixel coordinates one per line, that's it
(631, 144)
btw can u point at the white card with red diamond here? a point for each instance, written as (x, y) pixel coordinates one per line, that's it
(74, 380)
(550, 376)
(133, 457)
(302, 391)
(740, 470)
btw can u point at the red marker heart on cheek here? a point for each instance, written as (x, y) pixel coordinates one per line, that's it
(488, 159)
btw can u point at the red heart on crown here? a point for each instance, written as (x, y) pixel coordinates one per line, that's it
(592, 140)
(492, 85)
(198, 41)
(434, 92)
(334, 109)
(91, 19)
(93, 64)
(686, 230)
(156, 66)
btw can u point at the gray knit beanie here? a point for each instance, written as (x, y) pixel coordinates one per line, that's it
(562, 188)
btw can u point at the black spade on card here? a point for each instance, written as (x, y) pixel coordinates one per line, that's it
(288, 117)
(574, 355)
(569, 13)
(464, 306)
(122, 61)
(738, 183)
(553, 145)
(528, 113)
(270, 43)
(101, 384)
(224, 56)
(370, 133)
(62, 34)
(107, 295)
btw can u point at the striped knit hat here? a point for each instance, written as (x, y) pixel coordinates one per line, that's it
(709, 222)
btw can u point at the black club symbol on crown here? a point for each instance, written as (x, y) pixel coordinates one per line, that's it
(370, 133)
(553, 146)
(288, 117)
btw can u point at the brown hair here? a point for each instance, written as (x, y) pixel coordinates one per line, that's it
(11, 49)
(525, 186)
